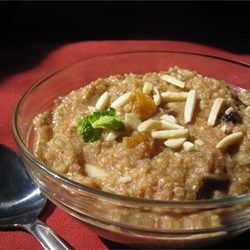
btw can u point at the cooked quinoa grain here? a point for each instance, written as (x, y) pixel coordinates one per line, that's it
(135, 163)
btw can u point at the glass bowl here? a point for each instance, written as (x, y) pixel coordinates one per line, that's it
(132, 221)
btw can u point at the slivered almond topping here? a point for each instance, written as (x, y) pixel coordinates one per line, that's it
(121, 100)
(169, 96)
(168, 134)
(215, 111)
(91, 109)
(229, 140)
(170, 125)
(229, 110)
(149, 125)
(188, 146)
(103, 101)
(174, 143)
(173, 81)
(242, 158)
(95, 171)
(112, 136)
(199, 142)
(248, 109)
(169, 118)
(132, 120)
(156, 96)
(126, 179)
(190, 106)
(224, 128)
(147, 88)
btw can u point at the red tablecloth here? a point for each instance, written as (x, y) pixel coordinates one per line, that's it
(12, 86)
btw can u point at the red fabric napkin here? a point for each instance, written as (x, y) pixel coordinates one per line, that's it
(20, 77)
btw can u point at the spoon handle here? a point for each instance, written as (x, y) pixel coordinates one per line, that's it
(47, 238)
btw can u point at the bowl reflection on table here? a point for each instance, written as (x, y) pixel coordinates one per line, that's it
(132, 221)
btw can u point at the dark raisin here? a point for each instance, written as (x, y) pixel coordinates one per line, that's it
(211, 183)
(233, 117)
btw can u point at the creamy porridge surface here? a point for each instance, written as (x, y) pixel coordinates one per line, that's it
(185, 137)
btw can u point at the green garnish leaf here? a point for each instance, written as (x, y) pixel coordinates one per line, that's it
(85, 128)
(108, 122)
(92, 125)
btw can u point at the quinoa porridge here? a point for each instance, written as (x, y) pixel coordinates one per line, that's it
(172, 135)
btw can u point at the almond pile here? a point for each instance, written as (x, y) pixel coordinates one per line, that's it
(166, 128)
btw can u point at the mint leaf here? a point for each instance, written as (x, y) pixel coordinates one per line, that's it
(108, 122)
(92, 125)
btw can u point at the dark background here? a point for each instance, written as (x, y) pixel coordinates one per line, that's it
(29, 30)
(221, 24)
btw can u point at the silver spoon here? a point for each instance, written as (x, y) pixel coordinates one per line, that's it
(21, 201)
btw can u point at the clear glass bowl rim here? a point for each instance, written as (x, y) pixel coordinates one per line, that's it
(112, 196)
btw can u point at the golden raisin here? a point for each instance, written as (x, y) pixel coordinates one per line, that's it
(134, 140)
(143, 144)
(143, 105)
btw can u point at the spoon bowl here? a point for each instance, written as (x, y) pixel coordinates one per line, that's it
(21, 201)
(16, 183)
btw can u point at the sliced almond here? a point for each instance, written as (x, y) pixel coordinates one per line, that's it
(229, 110)
(121, 100)
(169, 118)
(229, 140)
(156, 96)
(94, 171)
(103, 101)
(174, 143)
(91, 109)
(215, 111)
(170, 125)
(132, 120)
(243, 158)
(168, 134)
(169, 96)
(224, 128)
(112, 136)
(126, 179)
(199, 142)
(190, 106)
(147, 88)
(188, 146)
(173, 81)
(248, 109)
(149, 125)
